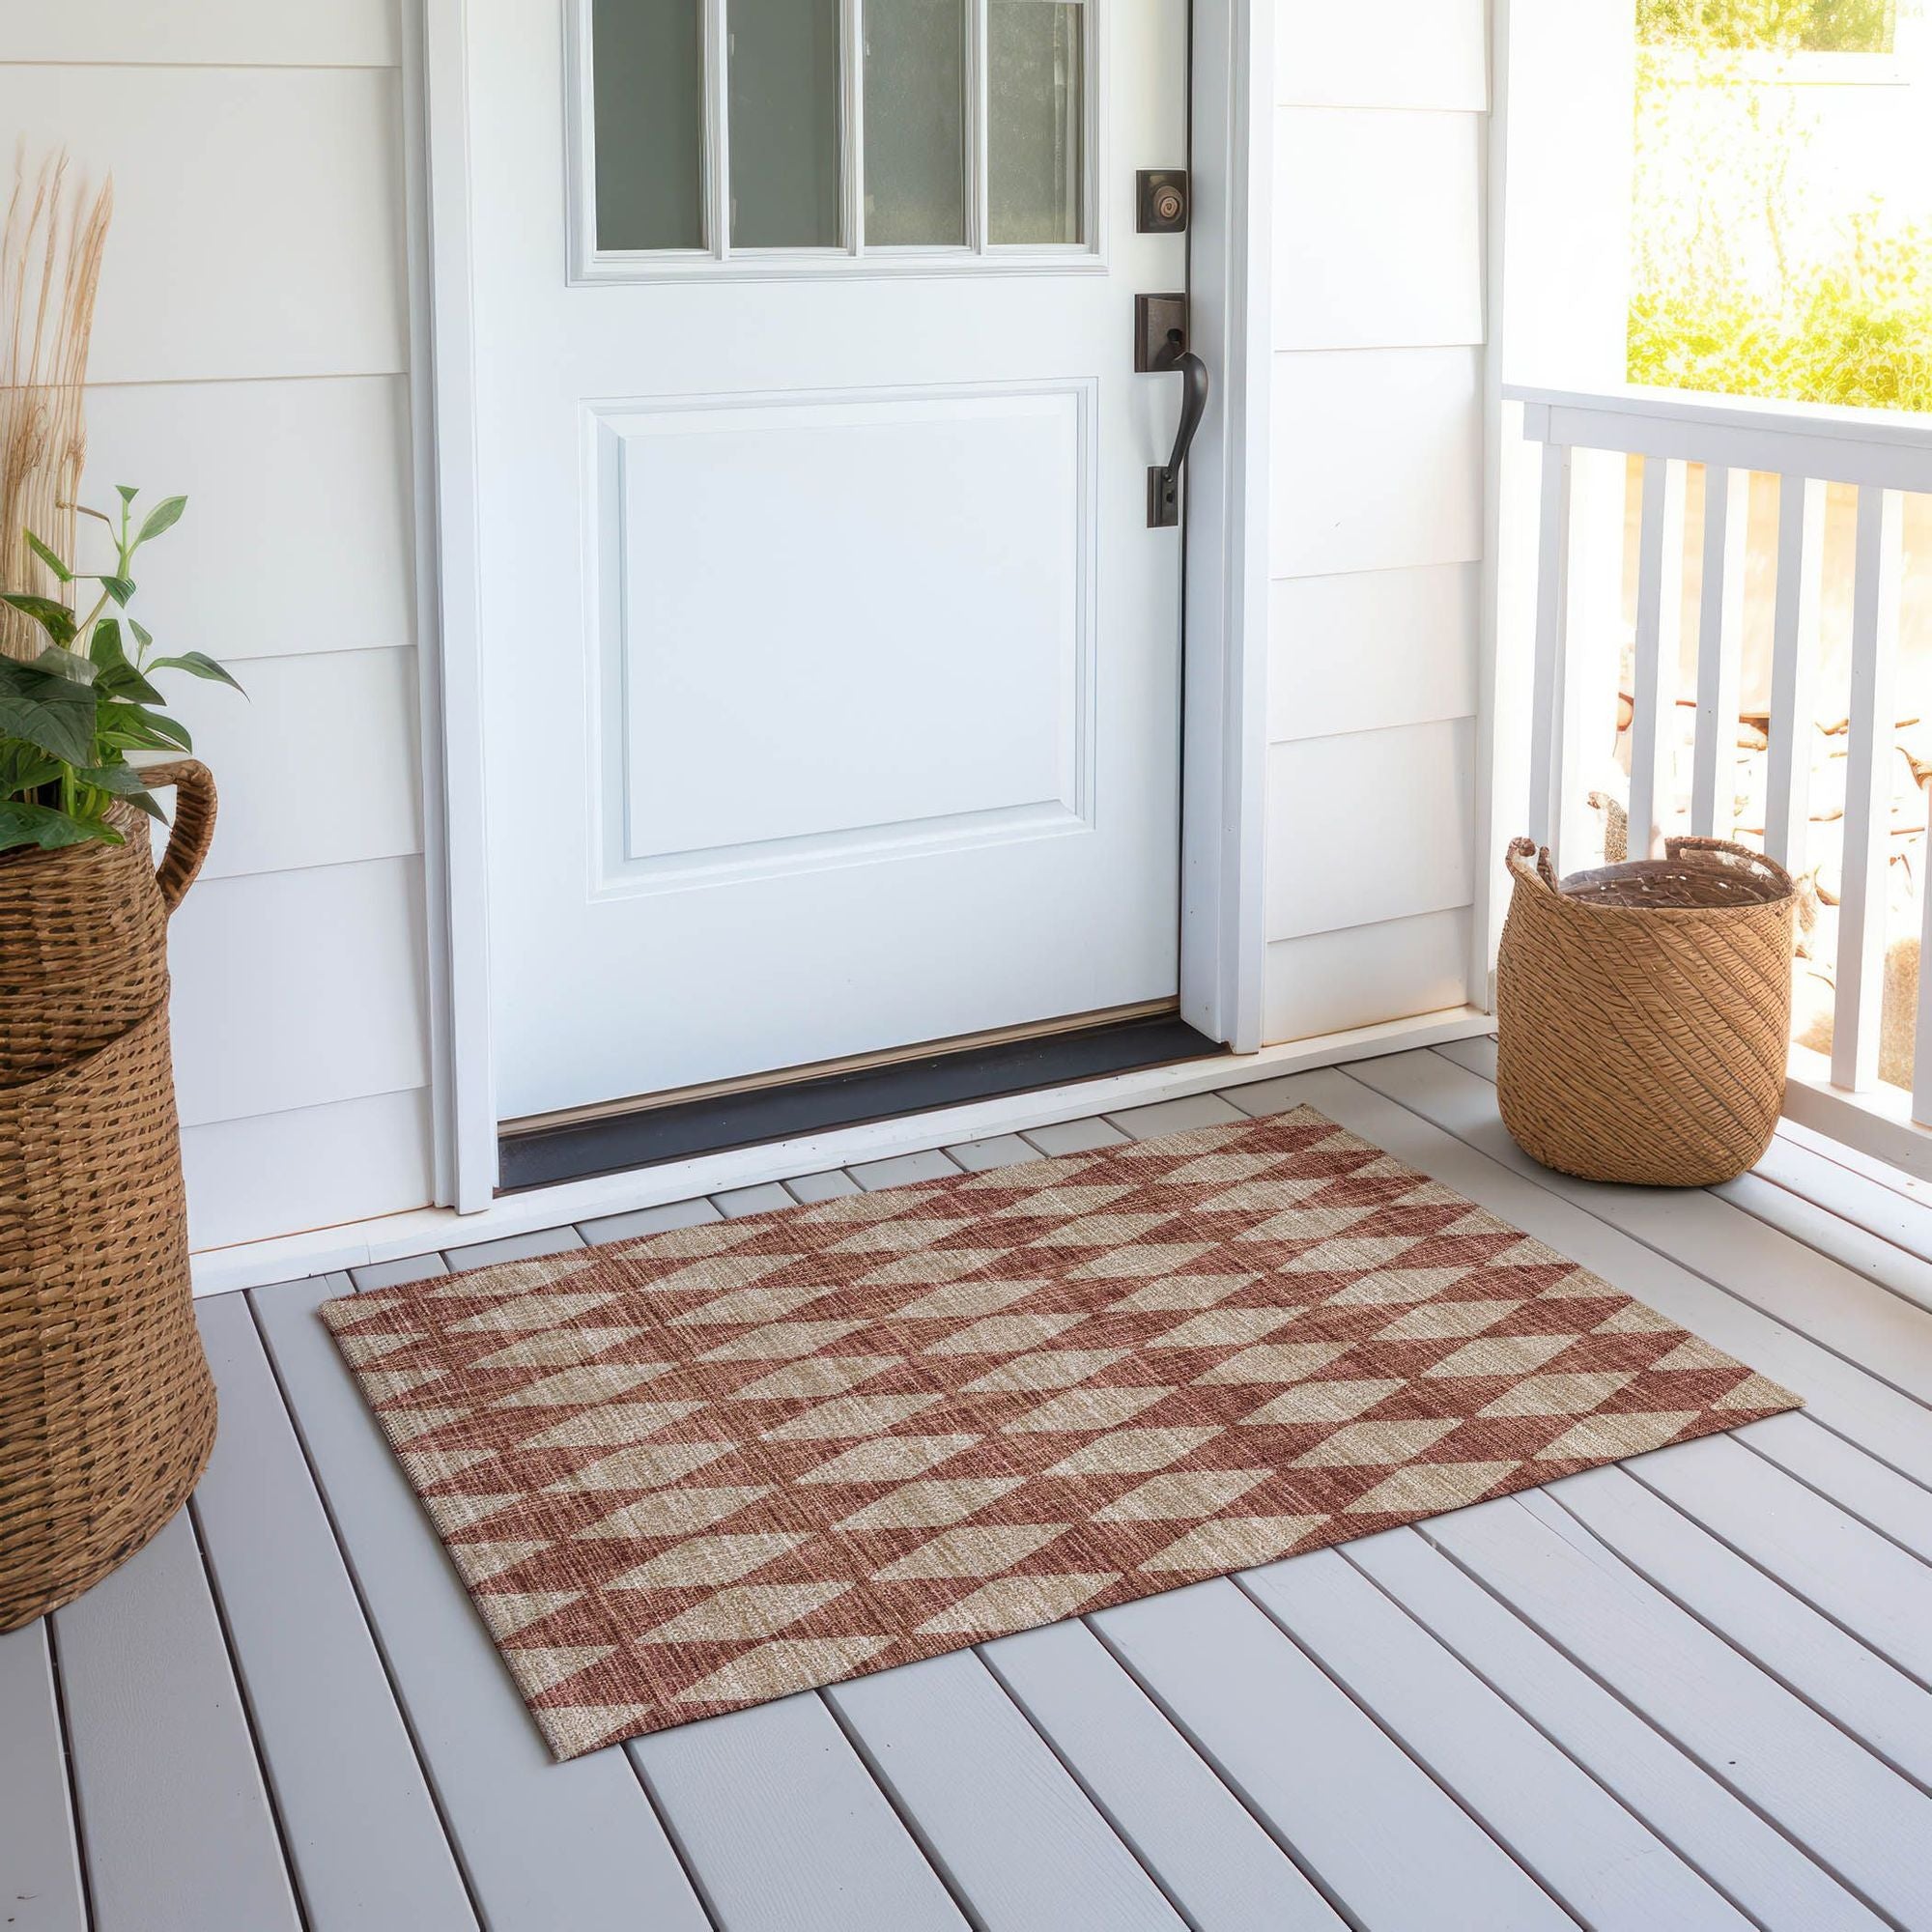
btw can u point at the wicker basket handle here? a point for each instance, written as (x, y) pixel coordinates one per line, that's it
(1520, 852)
(194, 827)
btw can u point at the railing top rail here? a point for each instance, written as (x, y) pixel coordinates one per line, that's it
(1888, 448)
(1909, 427)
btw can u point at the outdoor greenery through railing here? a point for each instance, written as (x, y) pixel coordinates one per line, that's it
(1782, 213)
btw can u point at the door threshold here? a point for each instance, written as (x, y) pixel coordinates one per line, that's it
(421, 1231)
(715, 1122)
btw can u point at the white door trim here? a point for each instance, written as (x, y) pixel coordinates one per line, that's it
(1223, 946)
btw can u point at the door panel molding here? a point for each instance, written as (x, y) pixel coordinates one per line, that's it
(651, 578)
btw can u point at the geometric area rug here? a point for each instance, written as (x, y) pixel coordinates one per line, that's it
(687, 1474)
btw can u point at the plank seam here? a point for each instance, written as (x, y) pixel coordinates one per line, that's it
(1644, 1717)
(263, 1770)
(1088, 1792)
(435, 1796)
(1816, 1246)
(1654, 1828)
(706, 1904)
(1743, 1439)
(1744, 1557)
(902, 1812)
(1400, 1744)
(76, 1819)
(1276, 1837)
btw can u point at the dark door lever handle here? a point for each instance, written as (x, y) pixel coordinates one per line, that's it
(1164, 483)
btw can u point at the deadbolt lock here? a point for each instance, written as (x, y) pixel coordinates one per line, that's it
(1162, 200)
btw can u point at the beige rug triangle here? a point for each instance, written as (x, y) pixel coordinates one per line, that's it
(720, 1464)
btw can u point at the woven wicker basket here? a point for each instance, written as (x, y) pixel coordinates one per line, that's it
(107, 1405)
(1644, 1013)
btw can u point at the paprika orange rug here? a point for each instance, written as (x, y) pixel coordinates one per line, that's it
(687, 1474)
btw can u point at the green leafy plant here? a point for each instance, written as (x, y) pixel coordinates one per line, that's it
(71, 714)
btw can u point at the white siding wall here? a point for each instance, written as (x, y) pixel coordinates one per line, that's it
(1376, 490)
(251, 349)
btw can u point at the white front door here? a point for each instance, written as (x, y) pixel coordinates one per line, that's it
(832, 670)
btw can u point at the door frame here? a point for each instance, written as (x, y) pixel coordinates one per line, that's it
(1224, 708)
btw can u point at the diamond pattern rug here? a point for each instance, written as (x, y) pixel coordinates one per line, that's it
(687, 1474)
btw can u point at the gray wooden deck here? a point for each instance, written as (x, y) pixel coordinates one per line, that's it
(1688, 1693)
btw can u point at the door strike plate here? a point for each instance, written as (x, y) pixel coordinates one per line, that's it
(1162, 199)
(1160, 331)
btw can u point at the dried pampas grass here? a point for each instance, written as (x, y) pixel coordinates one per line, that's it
(50, 251)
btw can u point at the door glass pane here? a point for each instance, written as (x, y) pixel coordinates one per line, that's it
(784, 123)
(914, 122)
(648, 103)
(1035, 101)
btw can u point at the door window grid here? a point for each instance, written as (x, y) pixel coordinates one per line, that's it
(998, 199)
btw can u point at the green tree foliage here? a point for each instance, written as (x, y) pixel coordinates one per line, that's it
(1746, 279)
(1822, 26)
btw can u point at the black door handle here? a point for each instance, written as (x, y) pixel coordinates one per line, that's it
(1164, 482)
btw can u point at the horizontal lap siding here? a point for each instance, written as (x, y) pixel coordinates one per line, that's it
(250, 351)
(1375, 489)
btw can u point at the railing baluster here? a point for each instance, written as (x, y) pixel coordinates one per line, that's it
(1720, 627)
(1794, 652)
(1553, 624)
(1922, 1036)
(1659, 603)
(1870, 752)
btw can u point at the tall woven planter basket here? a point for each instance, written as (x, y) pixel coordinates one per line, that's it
(107, 1405)
(1644, 1013)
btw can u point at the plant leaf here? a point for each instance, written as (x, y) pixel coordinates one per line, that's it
(197, 664)
(128, 727)
(120, 588)
(120, 778)
(143, 636)
(57, 661)
(25, 768)
(127, 491)
(55, 619)
(124, 781)
(164, 516)
(119, 678)
(40, 825)
(47, 556)
(53, 713)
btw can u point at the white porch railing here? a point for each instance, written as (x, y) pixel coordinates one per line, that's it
(1584, 658)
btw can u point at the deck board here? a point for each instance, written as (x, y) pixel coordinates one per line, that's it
(997, 1812)
(310, 1667)
(1307, 1759)
(1218, 1864)
(826, 1851)
(1851, 1812)
(1687, 1691)
(175, 1822)
(544, 1844)
(1838, 1676)
(1880, 1498)
(1856, 1579)
(1592, 1854)
(41, 1886)
(1712, 1829)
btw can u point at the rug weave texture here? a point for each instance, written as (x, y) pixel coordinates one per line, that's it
(687, 1474)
